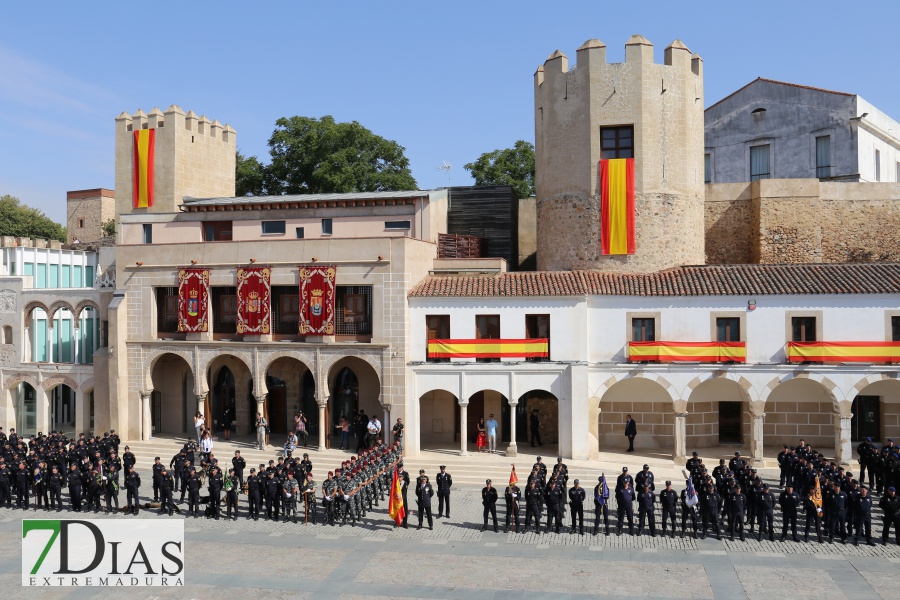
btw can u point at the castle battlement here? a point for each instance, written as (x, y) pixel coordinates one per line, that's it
(193, 156)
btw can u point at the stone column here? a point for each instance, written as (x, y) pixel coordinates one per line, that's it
(386, 426)
(146, 417)
(75, 342)
(463, 428)
(322, 427)
(42, 410)
(681, 437)
(261, 409)
(843, 451)
(81, 410)
(201, 404)
(513, 449)
(50, 341)
(756, 441)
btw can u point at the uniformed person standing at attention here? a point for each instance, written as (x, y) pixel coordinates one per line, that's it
(863, 515)
(601, 504)
(625, 498)
(736, 509)
(489, 501)
(765, 513)
(646, 500)
(444, 481)
(512, 497)
(668, 501)
(424, 493)
(533, 506)
(254, 495)
(576, 502)
(789, 501)
(689, 501)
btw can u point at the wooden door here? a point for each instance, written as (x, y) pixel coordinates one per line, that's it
(730, 421)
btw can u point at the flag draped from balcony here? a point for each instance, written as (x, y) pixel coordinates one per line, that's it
(617, 206)
(874, 352)
(687, 351)
(317, 295)
(144, 145)
(193, 300)
(254, 300)
(489, 348)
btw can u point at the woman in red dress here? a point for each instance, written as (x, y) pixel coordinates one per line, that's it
(481, 440)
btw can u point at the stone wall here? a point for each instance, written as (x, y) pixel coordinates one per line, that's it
(789, 422)
(781, 221)
(655, 426)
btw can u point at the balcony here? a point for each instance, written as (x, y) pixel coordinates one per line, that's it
(843, 352)
(702, 352)
(489, 348)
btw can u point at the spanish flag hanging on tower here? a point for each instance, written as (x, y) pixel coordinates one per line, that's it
(617, 206)
(144, 142)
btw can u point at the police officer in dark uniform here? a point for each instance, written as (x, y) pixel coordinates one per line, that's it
(165, 492)
(625, 499)
(890, 506)
(710, 512)
(513, 497)
(688, 509)
(272, 488)
(737, 508)
(577, 496)
(533, 506)
(214, 487)
(489, 501)
(646, 501)
(555, 500)
(789, 500)
(668, 502)
(837, 514)
(54, 487)
(765, 512)
(157, 470)
(74, 482)
(132, 490)
(254, 495)
(645, 478)
(443, 480)
(863, 515)
(424, 493)
(5, 489)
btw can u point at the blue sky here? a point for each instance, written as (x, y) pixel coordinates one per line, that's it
(447, 81)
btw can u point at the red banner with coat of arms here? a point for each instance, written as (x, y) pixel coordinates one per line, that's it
(254, 300)
(317, 299)
(193, 300)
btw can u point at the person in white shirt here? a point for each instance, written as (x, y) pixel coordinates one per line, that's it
(206, 444)
(372, 430)
(492, 433)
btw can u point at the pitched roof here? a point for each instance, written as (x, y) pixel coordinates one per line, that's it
(708, 280)
(775, 81)
(304, 198)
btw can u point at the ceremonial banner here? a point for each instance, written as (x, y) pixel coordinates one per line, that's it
(317, 300)
(617, 206)
(254, 299)
(489, 348)
(193, 300)
(395, 506)
(875, 352)
(513, 478)
(710, 352)
(144, 144)
(816, 496)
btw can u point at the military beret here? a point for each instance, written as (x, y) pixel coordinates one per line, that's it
(331, 473)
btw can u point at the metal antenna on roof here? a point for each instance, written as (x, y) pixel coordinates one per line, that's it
(446, 167)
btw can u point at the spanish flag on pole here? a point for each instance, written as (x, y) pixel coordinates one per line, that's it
(513, 478)
(144, 142)
(617, 206)
(395, 506)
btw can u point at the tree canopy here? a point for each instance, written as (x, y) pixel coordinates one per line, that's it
(511, 166)
(19, 220)
(314, 156)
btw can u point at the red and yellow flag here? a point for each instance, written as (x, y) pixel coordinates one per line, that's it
(816, 495)
(874, 352)
(705, 352)
(144, 142)
(513, 478)
(395, 506)
(617, 206)
(489, 348)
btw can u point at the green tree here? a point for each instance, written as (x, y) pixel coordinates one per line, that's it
(511, 166)
(108, 227)
(19, 220)
(311, 156)
(250, 175)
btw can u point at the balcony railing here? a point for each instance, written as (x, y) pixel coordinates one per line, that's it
(704, 352)
(844, 352)
(489, 348)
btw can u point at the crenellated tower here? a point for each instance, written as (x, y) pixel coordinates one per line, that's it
(192, 157)
(661, 107)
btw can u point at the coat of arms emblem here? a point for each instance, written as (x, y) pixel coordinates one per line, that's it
(315, 303)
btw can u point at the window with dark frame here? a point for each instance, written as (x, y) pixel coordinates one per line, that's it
(147, 233)
(397, 225)
(803, 329)
(285, 309)
(487, 327)
(273, 227)
(707, 168)
(224, 317)
(617, 142)
(823, 156)
(217, 231)
(167, 310)
(760, 162)
(300, 233)
(728, 329)
(643, 329)
(327, 228)
(437, 328)
(895, 329)
(537, 326)
(353, 310)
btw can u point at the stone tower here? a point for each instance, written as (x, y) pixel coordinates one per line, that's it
(87, 211)
(193, 157)
(663, 103)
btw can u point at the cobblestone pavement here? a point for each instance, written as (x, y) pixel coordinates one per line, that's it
(263, 559)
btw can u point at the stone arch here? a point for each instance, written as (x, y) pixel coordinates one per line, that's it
(308, 360)
(33, 304)
(869, 380)
(151, 359)
(56, 306)
(330, 361)
(802, 405)
(51, 382)
(718, 409)
(434, 419)
(833, 390)
(721, 374)
(86, 304)
(86, 386)
(290, 383)
(606, 385)
(17, 378)
(207, 358)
